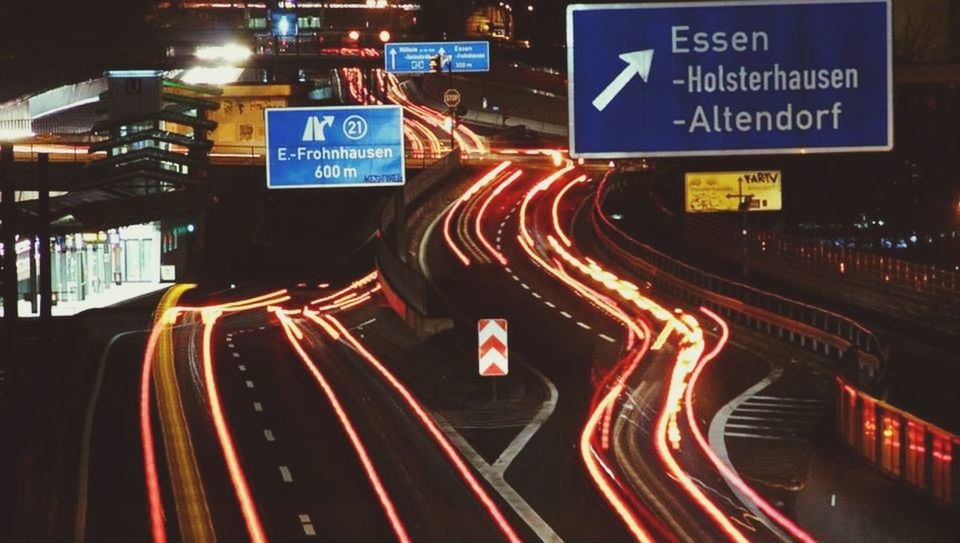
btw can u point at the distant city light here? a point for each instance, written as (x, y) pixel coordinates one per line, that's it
(384, 36)
(220, 75)
(230, 52)
(529, 7)
(353, 35)
(12, 134)
(191, 228)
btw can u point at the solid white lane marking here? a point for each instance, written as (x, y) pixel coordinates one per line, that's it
(285, 474)
(583, 325)
(268, 435)
(241, 367)
(550, 304)
(520, 441)
(608, 338)
(257, 406)
(249, 384)
(764, 437)
(496, 480)
(758, 398)
(717, 438)
(566, 315)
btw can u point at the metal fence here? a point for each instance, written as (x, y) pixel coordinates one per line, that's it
(878, 267)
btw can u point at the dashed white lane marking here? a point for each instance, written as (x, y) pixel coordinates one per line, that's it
(566, 315)
(550, 304)
(236, 355)
(583, 325)
(364, 324)
(241, 367)
(525, 286)
(499, 239)
(258, 407)
(304, 518)
(309, 530)
(285, 474)
(230, 345)
(262, 327)
(268, 435)
(508, 269)
(515, 278)
(249, 384)
(608, 338)
(536, 295)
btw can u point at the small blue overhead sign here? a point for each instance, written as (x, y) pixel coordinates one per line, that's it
(414, 57)
(735, 77)
(347, 146)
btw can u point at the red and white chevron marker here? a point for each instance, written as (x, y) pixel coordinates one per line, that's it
(492, 335)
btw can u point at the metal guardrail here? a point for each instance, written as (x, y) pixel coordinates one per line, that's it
(810, 327)
(900, 445)
(255, 155)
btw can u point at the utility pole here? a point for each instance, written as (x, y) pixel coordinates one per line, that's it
(43, 235)
(7, 212)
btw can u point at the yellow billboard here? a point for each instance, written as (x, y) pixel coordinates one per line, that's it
(709, 192)
(240, 117)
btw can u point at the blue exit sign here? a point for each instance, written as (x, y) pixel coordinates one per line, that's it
(343, 146)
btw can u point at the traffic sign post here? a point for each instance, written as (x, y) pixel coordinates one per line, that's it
(451, 97)
(734, 77)
(347, 146)
(414, 57)
(493, 356)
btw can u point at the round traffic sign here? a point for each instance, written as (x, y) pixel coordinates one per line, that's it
(451, 97)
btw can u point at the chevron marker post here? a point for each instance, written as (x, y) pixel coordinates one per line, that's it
(492, 340)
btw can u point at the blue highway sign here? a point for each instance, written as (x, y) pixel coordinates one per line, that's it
(347, 146)
(414, 57)
(738, 77)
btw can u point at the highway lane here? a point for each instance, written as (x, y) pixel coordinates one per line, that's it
(432, 499)
(548, 473)
(304, 475)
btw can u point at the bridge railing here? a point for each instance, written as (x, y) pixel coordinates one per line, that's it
(810, 327)
(405, 287)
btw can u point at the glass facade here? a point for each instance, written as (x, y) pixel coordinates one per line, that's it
(88, 265)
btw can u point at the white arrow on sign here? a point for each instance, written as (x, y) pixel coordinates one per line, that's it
(638, 63)
(393, 59)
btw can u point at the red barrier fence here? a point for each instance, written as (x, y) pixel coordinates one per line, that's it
(900, 445)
